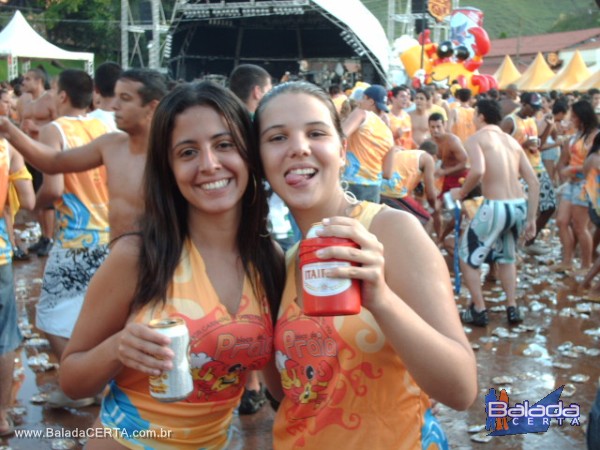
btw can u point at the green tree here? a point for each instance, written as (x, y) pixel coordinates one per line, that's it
(85, 25)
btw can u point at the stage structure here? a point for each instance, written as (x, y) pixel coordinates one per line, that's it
(150, 21)
(413, 18)
(213, 36)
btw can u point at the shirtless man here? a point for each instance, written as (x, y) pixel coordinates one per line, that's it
(36, 109)
(138, 92)
(40, 109)
(510, 102)
(453, 167)
(497, 162)
(420, 116)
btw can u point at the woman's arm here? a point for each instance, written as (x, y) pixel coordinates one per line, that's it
(353, 121)
(102, 343)
(24, 187)
(406, 286)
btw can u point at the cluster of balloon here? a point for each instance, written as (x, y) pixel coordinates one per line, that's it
(430, 63)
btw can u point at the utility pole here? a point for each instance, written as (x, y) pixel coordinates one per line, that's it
(124, 37)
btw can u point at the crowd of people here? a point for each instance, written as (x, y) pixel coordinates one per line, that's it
(189, 201)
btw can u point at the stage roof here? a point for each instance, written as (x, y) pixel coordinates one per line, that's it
(214, 36)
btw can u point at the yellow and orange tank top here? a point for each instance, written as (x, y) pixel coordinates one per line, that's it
(82, 211)
(402, 122)
(367, 147)
(344, 384)
(406, 175)
(5, 245)
(463, 126)
(577, 154)
(592, 188)
(223, 348)
(523, 130)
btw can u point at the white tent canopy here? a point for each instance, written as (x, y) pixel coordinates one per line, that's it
(19, 40)
(363, 23)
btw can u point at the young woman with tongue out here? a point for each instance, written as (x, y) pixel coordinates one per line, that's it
(363, 379)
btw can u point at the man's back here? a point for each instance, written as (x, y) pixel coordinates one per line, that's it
(502, 155)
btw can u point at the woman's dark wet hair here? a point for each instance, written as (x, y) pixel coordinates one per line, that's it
(164, 224)
(595, 145)
(586, 115)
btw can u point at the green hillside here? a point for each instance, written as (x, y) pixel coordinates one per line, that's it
(508, 18)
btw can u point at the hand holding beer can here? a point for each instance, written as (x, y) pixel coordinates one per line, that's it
(175, 384)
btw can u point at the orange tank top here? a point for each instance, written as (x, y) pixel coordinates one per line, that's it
(402, 122)
(523, 130)
(578, 152)
(592, 188)
(5, 245)
(367, 147)
(463, 126)
(406, 175)
(82, 211)
(344, 384)
(223, 349)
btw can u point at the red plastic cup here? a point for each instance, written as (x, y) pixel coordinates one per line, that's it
(325, 296)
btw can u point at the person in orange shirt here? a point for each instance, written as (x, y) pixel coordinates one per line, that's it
(11, 164)
(400, 121)
(523, 127)
(403, 170)
(461, 122)
(573, 207)
(342, 377)
(215, 266)
(369, 140)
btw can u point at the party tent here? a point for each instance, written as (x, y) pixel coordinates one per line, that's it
(569, 76)
(535, 76)
(19, 40)
(593, 81)
(507, 73)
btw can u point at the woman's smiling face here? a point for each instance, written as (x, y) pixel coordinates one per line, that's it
(206, 162)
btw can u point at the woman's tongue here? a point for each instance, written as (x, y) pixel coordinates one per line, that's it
(292, 178)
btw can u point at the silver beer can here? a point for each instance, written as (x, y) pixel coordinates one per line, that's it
(175, 384)
(449, 203)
